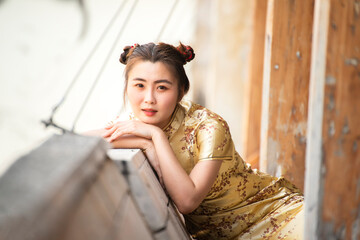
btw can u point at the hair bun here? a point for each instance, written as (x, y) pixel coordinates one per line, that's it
(124, 55)
(187, 52)
(128, 50)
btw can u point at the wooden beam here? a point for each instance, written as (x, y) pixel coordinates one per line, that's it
(333, 158)
(41, 189)
(68, 188)
(285, 89)
(252, 106)
(313, 188)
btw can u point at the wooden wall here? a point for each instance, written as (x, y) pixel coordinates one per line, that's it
(299, 108)
(252, 68)
(311, 109)
(285, 88)
(332, 188)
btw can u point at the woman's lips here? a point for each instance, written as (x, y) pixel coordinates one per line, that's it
(149, 112)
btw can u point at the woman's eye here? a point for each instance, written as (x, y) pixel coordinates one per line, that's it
(140, 85)
(162, 87)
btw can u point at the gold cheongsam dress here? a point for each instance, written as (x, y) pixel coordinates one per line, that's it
(242, 203)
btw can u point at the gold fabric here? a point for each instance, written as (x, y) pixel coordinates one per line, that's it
(242, 203)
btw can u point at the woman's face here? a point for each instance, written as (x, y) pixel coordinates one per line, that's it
(152, 91)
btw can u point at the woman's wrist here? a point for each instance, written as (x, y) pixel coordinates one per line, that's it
(157, 134)
(146, 144)
(131, 142)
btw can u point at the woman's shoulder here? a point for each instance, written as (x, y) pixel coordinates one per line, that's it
(192, 108)
(200, 115)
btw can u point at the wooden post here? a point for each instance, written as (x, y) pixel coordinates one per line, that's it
(332, 190)
(285, 89)
(252, 106)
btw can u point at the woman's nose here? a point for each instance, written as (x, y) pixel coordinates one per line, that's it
(149, 97)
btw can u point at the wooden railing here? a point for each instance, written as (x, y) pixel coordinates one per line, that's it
(75, 187)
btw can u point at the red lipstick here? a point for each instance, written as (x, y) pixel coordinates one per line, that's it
(149, 112)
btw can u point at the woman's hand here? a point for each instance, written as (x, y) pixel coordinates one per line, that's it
(120, 133)
(115, 130)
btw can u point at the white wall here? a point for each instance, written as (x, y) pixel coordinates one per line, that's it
(41, 50)
(224, 39)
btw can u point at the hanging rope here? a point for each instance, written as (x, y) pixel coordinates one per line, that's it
(50, 121)
(167, 20)
(104, 65)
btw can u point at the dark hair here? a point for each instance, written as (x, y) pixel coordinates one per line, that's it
(174, 57)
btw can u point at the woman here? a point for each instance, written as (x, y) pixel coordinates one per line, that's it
(191, 149)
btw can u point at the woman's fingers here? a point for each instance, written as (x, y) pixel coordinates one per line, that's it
(109, 132)
(117, 133)
(128, 127)
(109, 125)
(118, 130)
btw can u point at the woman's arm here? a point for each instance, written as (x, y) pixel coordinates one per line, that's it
(187, 191)
(131, 141)
(127, 141)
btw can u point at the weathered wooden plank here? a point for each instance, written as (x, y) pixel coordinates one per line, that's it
(103, 198)
(148, 177)
(333, 156)
(177, 229)
(152, 208)
(313, 180)
(286, 84)
(43, 187)
(87, 196)
(113, 182)
(129, 223)
(252, 106)
(341, 121)
(91, 220)
(159, 213)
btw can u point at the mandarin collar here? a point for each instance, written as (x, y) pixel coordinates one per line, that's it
(175, 121)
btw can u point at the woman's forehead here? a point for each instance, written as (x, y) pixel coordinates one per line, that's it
(150, 71)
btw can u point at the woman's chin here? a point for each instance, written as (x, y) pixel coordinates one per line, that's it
(153, 121)
(149, 121)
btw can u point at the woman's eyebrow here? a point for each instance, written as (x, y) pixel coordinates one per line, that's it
(164, 81)
(157, 81)
(138, 79)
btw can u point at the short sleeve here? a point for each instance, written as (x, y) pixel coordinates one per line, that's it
(214, 141)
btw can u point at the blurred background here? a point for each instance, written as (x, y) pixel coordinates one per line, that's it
(68, 50)
(52, 49)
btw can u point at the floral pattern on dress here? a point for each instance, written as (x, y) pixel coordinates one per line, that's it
(242, 203)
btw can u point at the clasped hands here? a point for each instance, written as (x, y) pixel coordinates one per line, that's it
(137, 135)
